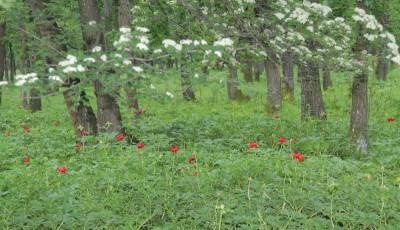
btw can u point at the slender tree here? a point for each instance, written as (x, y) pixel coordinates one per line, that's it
(2, 52)
(82, 115)
(108, 111)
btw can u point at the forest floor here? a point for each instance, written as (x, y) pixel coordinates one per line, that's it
(113, 185)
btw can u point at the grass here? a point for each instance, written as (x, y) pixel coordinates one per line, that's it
(112, 185)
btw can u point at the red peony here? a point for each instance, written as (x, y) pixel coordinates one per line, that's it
(298, 156)
(120, 137)
(252, 145)
(282, 140)
(390, 119)
(62, 170)
(192, 159)
(174, 149)
(140, 145)
(26, 159)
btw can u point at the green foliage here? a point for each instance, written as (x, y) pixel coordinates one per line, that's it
(115, 186)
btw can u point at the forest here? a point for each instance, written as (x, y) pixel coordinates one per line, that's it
(199, 114)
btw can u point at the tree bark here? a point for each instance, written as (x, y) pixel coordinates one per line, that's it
(35, 100)
(258, 70)
(274, 97)
(2, 53)
(288, 73)
(13, 68)
(312, 104)
(232, 85)
(327, 82)
(359, 111)
(125, 20)
(81, 113)
(382, 68)
(247, 70)
(186, 83)
(108, 111)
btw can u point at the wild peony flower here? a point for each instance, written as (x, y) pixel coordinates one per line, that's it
(62, 170)
(282, 140)
(140, 146)
(298, 157)
(390, 119)
(252, 145)
(174, 149)
(119, 137)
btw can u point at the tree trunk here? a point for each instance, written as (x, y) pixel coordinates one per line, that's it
(35, 100)
(274, 97)
(125, 20)
(258, 70)
(82, 115)
(2, 53)
(312, 103)
(108, 111)
(13, 68)
(359, 113)
(232, 85)
(382, 68)
(288, 72)
(327, 82)
(186, 83)
(247, 70)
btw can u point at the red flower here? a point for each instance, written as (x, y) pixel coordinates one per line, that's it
(390, 119)
(298, 156)
(27, 129)
(140, 145)
(120, 137)
(252, 145)
(174, 149)
(282, 140)
(84, 132)
(26, 159)
(196, 173)
(140, 112)
(78, 147)
(192, 159)
(62, 170)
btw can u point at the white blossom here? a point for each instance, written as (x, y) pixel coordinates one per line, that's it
(96, 49)
(142, 29)
(224, 42)
(69, 69)
(103, 57)
(80, 68)
(137, 69)
(89, 59)
(125, 30)
(142, 46)
(55, 78)
(127, 62)
(169, 94)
